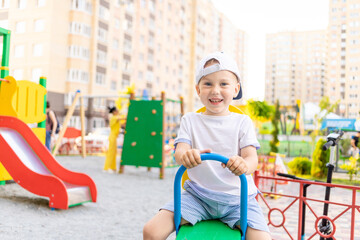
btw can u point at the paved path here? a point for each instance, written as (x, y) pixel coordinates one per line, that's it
(125, 203)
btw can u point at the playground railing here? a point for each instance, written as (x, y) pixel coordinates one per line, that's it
(284, 212)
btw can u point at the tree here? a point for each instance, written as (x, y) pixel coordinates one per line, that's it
(325, 108)
(275, 132)
(319, 160)
(260, 110)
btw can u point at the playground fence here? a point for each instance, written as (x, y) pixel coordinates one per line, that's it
(285, 218)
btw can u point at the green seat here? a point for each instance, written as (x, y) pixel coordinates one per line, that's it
(207, 230)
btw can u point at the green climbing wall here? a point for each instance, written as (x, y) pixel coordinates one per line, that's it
(143, 141)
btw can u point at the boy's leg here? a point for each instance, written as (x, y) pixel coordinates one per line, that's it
(254, 234)
(160, 226)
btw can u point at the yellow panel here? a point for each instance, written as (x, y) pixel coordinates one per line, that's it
(231, 109)
(7, 92)
(29, 101)
(40, 133)
(4, 175)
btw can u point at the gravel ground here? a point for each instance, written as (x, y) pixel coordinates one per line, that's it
(125, 203)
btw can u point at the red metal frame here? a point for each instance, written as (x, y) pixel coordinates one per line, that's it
(351, 206)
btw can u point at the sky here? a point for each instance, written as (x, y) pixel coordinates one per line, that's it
(259, 17)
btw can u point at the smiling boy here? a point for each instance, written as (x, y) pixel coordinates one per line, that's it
(214, 189)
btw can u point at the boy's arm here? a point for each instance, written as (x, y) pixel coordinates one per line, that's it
(181, 148)
(185, 155)
(249, 154)
(244, 164)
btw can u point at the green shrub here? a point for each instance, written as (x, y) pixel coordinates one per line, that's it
(319, 160)
(345, 145)
(300, 165)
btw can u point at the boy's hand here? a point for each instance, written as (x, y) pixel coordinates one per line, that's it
(191, 158)
(237, 165)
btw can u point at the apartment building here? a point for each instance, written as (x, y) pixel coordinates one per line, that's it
(295, 67)
(102, 46)
(344, 56)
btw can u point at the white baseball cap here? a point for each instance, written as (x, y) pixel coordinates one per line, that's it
(226, 62)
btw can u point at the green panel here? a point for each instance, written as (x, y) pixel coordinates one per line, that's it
(144, 118)
(208, 230)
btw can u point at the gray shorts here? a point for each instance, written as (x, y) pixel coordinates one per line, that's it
(199, 204)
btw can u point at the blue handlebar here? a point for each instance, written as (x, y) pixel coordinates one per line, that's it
(177, 193)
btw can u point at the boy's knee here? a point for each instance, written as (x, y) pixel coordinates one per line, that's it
(253, 234)
(150, 232)
(147, 232)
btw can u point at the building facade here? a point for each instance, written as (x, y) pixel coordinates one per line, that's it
(100, 47)
(344, 56)
(295, 67)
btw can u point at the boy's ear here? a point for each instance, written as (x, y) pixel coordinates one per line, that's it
(197, 89)
(237, 89)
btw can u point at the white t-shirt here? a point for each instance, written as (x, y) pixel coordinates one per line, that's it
(224, 135)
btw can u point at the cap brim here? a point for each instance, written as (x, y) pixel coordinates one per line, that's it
(239, 95)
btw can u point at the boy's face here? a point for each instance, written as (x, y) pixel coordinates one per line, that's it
(216, 92)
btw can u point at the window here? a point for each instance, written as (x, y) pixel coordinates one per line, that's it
(127, 45)
(113, 85)
(115, 44)
(4, 4)
(81, 5)
(21, 4)
(102, 35)
(38, 50)
(126, 65)
(77, 75)
(104, 13)
(100, 78)
(39, 25)
(80, 29)
(41, 3)
(101, 57)
(117, 23)
(19, 51)
(36, 74)
(114, 64)
(20, 27)
(81, 52)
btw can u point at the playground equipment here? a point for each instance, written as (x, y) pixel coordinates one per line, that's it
(209, 229)
(69, 114)
(26, 101)
(34, 168)
(68, 145)
(144, 136)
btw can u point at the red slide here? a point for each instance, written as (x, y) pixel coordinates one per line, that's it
(33, 167)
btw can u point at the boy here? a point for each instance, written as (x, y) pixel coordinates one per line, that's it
(213, 192)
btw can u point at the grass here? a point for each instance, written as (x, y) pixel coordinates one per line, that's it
(342, 181)
(296, 148)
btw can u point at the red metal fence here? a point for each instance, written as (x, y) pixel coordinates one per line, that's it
(285, 206)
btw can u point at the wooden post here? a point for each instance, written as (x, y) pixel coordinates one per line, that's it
(82, 118)
(182, 105)
(132, 97)
(162, 169)
(65, 123)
